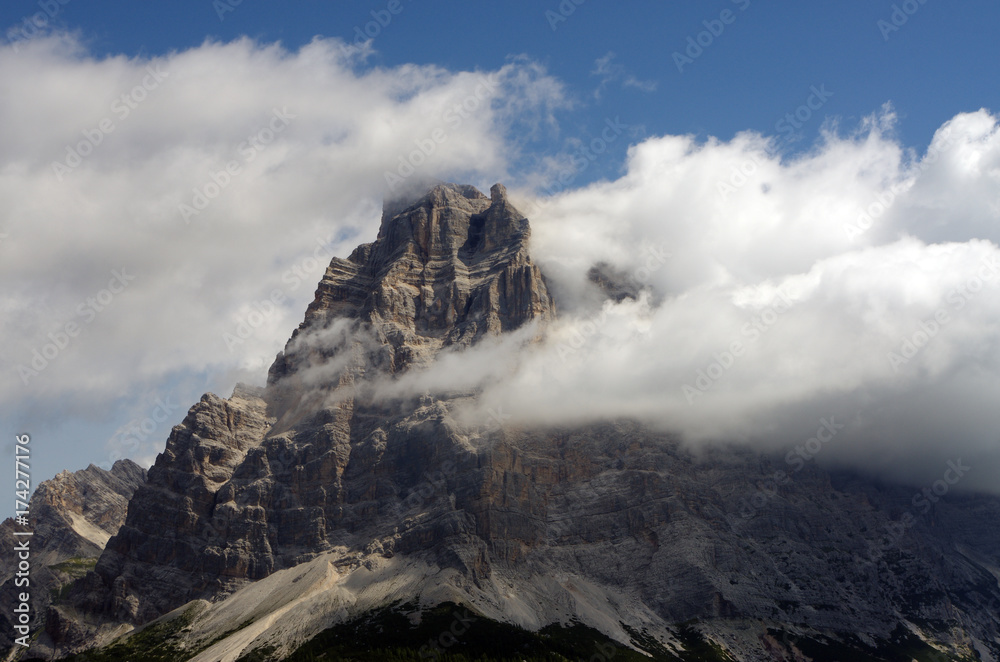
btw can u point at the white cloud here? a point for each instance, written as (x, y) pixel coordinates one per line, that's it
(611, 72)
(893, 325)
(308, 137)
(865, 240)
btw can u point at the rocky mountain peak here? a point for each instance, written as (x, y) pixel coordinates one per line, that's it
(446, 269)
(277, 513)
(74, 514)
(450, 223)
(92, 501)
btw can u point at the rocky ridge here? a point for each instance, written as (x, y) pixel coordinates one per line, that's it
(277, 513)
(72, 515)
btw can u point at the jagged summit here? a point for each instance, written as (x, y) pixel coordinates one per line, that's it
(445, 269)
(439, 192)
(493, 222)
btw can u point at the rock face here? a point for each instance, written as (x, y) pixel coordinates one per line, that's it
(443, 272)
(72, 516)
(177, 531)
(615, 284)
(237, 494)
(297, 506)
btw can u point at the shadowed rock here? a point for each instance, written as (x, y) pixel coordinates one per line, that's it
(336, 501)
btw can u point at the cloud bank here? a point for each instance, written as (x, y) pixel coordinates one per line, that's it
(852, 289)
(165, 221)
(860, 280)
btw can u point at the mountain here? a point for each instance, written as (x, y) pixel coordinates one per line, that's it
(339, 511)
(73, 516)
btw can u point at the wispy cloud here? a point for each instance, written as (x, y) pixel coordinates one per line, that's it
(610, 72)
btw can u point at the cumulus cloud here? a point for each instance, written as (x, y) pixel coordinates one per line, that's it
(201, 194)
(219, 181)
(857, 283)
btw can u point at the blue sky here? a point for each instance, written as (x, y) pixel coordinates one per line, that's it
(568, 69)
